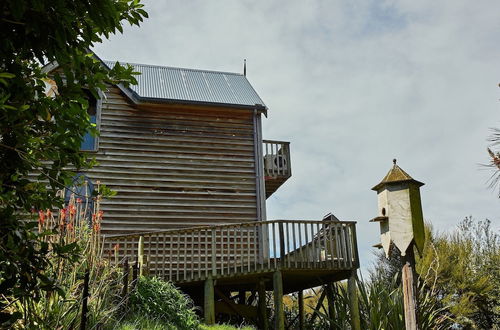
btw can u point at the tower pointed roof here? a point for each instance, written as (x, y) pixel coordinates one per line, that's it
(396, 175)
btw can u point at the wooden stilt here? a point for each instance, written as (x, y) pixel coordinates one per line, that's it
(409, 290)
(279, 318)
(331, 302)
(301, 310)
(263, 320)
(353, 299)
(209, 301)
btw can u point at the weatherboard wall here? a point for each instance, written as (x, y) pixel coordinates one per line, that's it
(174, 166)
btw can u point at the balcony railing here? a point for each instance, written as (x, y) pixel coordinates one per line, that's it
(276, 158)
(277, 165)
(189, 255)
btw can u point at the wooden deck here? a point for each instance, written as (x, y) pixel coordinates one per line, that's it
(277, 164)
(238, 255)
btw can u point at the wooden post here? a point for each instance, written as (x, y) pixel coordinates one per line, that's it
(282, 243)
(279, 314)
(134, 275)
(301, 309)
(209, 301)
(264, 322)
(85, 297)
(353, 299)
(409, 290)
(331, 303)
(140, 255)
(125, 281)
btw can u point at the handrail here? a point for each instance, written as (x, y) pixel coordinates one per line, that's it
(189, 229)
(193, 254)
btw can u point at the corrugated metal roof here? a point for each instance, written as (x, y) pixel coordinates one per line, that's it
(160, 83)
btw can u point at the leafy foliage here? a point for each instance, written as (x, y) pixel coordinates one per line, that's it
(464, 269)
(40, 134)
(161, 300)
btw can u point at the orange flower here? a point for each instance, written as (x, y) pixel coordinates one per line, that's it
(41, 217)
(100, 214)
(72, 210)
(69, 226)
(48, 213)
(64, 213)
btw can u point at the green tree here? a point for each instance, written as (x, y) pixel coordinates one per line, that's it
(43, 134)
(464, 269)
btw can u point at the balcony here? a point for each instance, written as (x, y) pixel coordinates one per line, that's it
(308, 253)
(277, 165)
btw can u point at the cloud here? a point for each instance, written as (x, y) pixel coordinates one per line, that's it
(351, 85)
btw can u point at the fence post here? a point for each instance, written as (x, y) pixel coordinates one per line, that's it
(140, 255)
(134, 275)
(125, 281)
(85, 297)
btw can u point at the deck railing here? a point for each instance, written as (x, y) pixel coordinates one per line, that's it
(276, 158)
(187, 255)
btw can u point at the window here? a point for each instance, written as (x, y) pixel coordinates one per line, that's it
(89, 142)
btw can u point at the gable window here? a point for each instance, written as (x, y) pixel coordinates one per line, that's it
(89, 142)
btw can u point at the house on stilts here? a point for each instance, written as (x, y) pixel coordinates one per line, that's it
(185, 152)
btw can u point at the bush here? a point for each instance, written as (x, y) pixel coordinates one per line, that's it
(157, 299)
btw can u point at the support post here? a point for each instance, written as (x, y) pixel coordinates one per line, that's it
(140, 255)
(279, 314)
(353, 299)
(331, 303)
(409, 290)
(301, 310)
(209, 301)
(264, 321)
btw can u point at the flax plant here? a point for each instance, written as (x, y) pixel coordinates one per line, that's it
(76, 226)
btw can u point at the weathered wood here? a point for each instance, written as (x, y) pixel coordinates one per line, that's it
(353, 302)
(140, 255)
(409, 292)
(300, 297)
(236, 309)
(279, 314)
(263, 318)
(209, 301)
(126, 273)
(191, 254)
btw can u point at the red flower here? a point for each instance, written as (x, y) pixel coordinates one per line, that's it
(64, 213)
(79, 200)
(49, 213)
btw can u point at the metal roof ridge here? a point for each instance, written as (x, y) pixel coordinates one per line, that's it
(176, 68)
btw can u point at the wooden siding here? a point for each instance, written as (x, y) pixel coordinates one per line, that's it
(174, 166)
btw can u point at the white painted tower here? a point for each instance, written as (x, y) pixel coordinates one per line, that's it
(399, 211)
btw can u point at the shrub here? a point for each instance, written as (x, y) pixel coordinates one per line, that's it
(157, 299)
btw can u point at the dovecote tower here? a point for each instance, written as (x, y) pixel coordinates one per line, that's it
(399, 211)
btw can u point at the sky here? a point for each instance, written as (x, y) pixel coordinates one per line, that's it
(351, 85)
